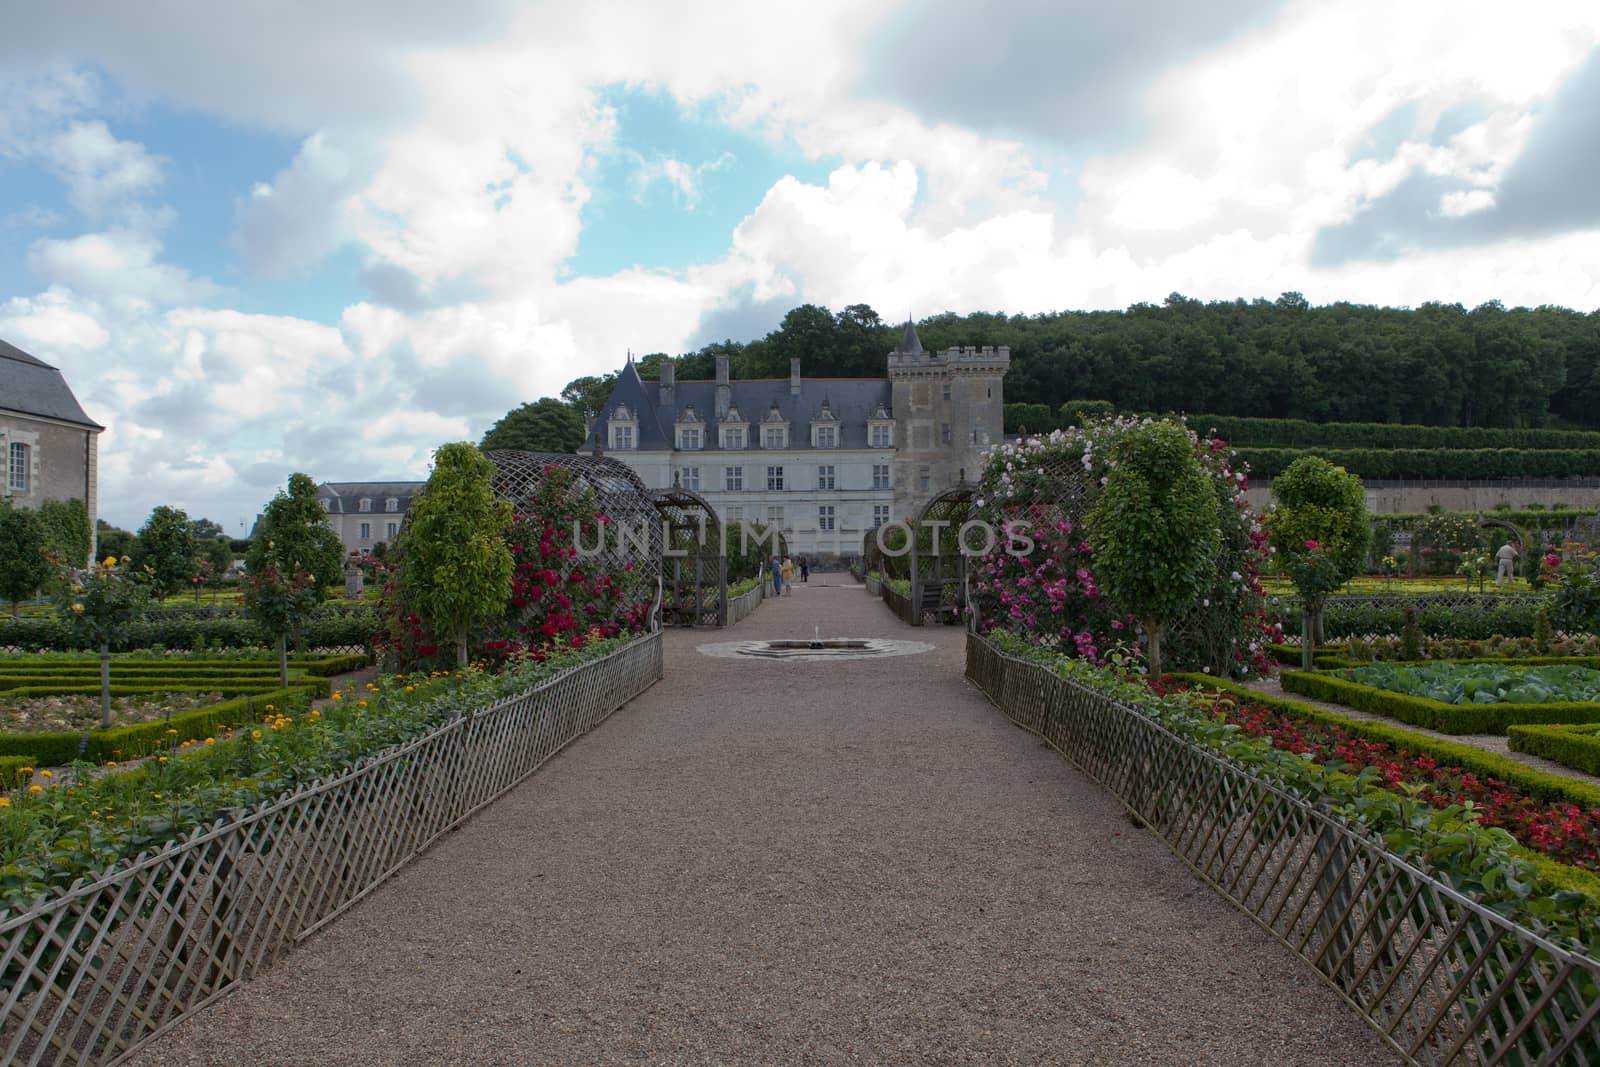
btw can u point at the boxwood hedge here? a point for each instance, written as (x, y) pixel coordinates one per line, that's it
(1571, 745)
(1434, 714)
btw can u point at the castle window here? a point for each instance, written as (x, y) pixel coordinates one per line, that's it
(392, 504)
(689, 478)
(689, 438)
(827, 437)
(394, 528)
(880, 476)
(924, 478)
(622, 438)
(733, 479)
(944, 393)
(774, 478)
(880, 515)
(775, 516)
(733, 438)
(774, 437)
(825, 518)
(17, 467)
(366, 531)
(944, 433)
(366, 504)
(825, 477)
(882, 436)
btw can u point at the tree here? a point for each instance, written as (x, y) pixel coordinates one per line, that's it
(1319, 533)
(24, 563)
(165, 547)
(280, 601)
(112, 540)
(589, 394)
(206, 529)
(453, 564)
(1154, 530)
(294, 534)
(67, 530)
(104, 603)
(543, 426)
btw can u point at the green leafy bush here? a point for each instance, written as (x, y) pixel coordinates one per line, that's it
(1280, 433)
(328, 628)
(1434, 714)
(1452, 464)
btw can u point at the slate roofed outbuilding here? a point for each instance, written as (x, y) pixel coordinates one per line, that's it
(851, 400)
(30, 386)
(344, 498)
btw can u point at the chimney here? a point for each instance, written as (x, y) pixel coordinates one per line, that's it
(724, 391)
(668, 379)
(794, 376)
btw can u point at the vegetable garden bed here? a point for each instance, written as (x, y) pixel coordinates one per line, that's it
(1474, 718)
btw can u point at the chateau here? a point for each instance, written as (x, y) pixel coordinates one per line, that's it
(823, 459)
(49, 448)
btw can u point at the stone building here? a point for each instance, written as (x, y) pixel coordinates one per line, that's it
(48, 445)
(366, 513)
(823, 459)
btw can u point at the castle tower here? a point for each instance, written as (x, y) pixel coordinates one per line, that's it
(947, 410)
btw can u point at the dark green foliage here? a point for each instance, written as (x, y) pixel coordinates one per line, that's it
(1410, 634)
(1079, 412)
(543, 426)
(1032, 418)
(587, 395)
(67, 530)
(1443, 464)
(1297, 433)
(111, 540)
(165, 548)
(330, 626)
(1577, 746)
(294, 534)
(1479, 618)
(1435, 365)
(24, 565)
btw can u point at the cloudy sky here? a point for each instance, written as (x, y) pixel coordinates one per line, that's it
(267, 236)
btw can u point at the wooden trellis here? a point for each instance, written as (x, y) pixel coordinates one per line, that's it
(938, 566)
(1443, 979)
(694, 569)
(95, 970)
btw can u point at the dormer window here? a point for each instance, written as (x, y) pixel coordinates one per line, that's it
(366, 504)
(774, 429)
(623, 428)
(825, 429)
(391, 504)
(691, 429)
(732, 431)
(880, 428)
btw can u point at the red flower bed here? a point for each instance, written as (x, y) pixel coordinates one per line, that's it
(1564, 832)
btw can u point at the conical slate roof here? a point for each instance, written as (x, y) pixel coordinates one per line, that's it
(910, 343)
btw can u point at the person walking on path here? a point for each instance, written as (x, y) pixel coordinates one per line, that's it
(777, 577)
(788, 573)
(1507, 556)
(805, 570)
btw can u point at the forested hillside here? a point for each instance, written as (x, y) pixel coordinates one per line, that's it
(1439, 364)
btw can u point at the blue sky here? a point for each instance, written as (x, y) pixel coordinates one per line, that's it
(260, 239)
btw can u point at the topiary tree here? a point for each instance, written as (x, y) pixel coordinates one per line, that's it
(67, 531)
(453, 566)
(24, 561)
(1319, 533)
(1154, 530)
(294, 534)
(280, 601)
(104, 602)
(165, 546)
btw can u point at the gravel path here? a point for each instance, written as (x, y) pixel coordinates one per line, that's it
(792, 862)
(1497, 743)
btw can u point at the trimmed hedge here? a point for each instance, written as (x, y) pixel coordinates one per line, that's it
(1278, 433)
(10, 772)
(131, 742)
(1477, 619)
(327, 629)
(1543, 785)
(1450, 464)
(1435, 714)
(1575, 746)
(169, 667)
(229, 686)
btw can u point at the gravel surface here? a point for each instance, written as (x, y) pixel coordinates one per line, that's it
(792, 861)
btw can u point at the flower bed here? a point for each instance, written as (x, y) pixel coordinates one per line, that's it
(1562, 822)
(1451, 938)
(1434, 714)
(199, 870)
(1576, 746)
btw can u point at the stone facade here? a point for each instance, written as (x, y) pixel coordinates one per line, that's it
(824, 459)
(48, 445)
(366, 513)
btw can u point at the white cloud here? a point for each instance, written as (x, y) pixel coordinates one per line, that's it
(100, 170)
(119, 263)
(295, 220)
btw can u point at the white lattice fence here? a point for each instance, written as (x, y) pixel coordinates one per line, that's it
(97, 970)
(746, 602)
